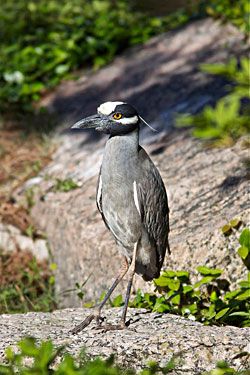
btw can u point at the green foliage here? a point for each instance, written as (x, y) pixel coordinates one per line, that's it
(238, 75)
(65, 185)
(43, 41)
(204, 301)
(228, 228)
(44, 355)
(33, 290)
(229, 120)
(244, 240)
(78, 290)
(41, 358)
(209, 300)
(223, 368)
(235, 11)
(244, 249)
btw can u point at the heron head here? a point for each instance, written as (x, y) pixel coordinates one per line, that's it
(114, 118)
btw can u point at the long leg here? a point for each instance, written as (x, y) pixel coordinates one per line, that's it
(97, 311)
(131, 272)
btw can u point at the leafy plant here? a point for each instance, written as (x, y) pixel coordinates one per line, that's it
(79, 290)
(204, 301)
(228, 228)
(235, 11)
(209, 300)
(229, 119)
(65, 185)
(244, 249)
(26, 285)
(42, 357)
(43, 41)
(223, 368)
(45, 354)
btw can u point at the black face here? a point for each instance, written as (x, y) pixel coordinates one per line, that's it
(114, 118)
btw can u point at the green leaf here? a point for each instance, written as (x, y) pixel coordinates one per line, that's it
(235, 223)
(243, 252)
(28, 347)
(187, 289)
(244, 296)
(183, 276)
(161, 306)
(174, 284)
(245, 238)
(226, 229)
(204, 280)
(221, 313)
(176, 299)
(169, 273)
(117, 301)
(245, 284)
(65, 185)
(232, 295)
(162, 281)
(30, 231)
(213, 296)
(241, 313)
(206, 271)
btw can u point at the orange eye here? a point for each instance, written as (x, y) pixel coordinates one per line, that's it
(117, 116)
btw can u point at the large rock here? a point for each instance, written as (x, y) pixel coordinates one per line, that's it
(149, 337)
(206, 187)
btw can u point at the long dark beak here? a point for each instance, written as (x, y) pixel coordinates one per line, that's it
(88, 123)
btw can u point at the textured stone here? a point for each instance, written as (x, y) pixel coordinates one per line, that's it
(11, 239)
(150, 336)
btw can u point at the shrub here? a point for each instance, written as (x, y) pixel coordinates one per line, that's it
(209, 300)
(44, 355)
(235, 11)
(229, 119)
(43, 41)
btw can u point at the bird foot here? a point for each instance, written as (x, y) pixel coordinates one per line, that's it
(112, 327)
(99, 320)
(86, 322)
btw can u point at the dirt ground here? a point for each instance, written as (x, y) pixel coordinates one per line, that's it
(22, 156)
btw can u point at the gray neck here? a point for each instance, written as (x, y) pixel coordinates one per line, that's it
(121, 152)
(128, 142)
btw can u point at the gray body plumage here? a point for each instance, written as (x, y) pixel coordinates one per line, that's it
(133, 202)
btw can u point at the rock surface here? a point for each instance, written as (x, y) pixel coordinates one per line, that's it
(11, 239)
(206, 187)
(149, 337)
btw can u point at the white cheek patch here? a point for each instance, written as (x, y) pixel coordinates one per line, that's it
(128, 120)
(108, 107)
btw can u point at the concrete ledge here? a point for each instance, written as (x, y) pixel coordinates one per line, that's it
(150, 336)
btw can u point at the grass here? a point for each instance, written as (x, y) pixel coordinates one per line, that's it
(25, 284)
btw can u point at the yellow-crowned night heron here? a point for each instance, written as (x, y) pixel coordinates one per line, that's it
(131, 198)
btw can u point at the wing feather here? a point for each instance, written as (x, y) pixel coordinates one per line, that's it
(153, 202)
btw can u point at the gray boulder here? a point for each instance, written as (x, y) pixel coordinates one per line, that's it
(150, 337)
